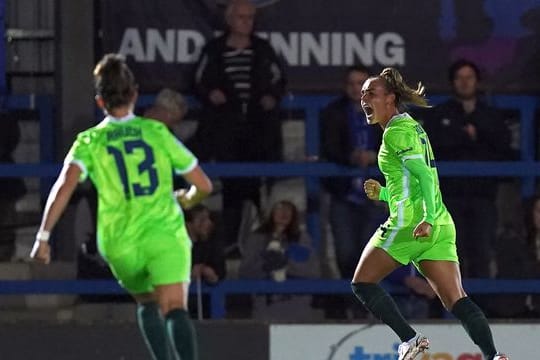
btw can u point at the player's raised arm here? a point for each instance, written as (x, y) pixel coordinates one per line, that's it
(56, 204)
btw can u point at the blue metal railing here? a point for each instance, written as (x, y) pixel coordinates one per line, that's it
(526, 168)
(220, 291)
(310, 169)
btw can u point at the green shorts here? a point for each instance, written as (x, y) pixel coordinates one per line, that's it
(159, 259)
(401, 245)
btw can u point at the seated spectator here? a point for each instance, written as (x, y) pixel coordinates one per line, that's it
(207, 255)
(208, 260)
(279, 249)
(518, 257)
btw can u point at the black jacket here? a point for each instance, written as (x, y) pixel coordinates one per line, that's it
(267, 75)
(336, 145)
(445, 124)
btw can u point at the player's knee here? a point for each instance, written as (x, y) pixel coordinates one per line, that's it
(144, 298)
(362, 290)
(169, 304)
(449, 300)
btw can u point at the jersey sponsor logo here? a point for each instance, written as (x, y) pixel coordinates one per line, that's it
(403, 151)
(419, 129)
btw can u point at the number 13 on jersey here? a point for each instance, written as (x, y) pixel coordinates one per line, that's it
(146, 166)
(428, 152)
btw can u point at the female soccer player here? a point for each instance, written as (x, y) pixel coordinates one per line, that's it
(419, 228)
(141, 231)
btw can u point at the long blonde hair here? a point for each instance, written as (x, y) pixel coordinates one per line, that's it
(404, 94)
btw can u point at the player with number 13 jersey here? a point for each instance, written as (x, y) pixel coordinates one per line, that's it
(130, 161)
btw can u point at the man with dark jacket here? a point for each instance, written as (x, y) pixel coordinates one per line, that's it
(240, 82)
(466, 129)
(347, 139)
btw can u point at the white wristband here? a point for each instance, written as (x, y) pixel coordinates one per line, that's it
(43, 235)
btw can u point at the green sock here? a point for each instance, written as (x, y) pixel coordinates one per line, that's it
(153, 330)
(376, 300)
(182, 334)
(475, 323)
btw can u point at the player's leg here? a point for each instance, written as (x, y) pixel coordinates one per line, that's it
(172, 299)
(152, 325)
(389, 248)
(130, 271)
(374, 265)
(439, 265)
(170, 269)
(445, 278)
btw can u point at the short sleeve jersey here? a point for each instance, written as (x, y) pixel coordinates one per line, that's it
(131, 163)
(405, 139)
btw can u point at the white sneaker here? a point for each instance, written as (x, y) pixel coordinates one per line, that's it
(501, 357)
(418, 344)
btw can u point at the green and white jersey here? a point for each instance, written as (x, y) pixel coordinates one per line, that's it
(130, 161)
(405, 140)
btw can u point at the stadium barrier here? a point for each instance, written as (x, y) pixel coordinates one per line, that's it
(248, 340)
(221, 290)
(526, 168)
(70, 340)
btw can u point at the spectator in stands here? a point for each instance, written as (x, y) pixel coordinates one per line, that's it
(279, 249)
(208, 261)
(465, 128)
(12, 189)
(518, 257)
(347, 139)
(239, 82)
(169, 108)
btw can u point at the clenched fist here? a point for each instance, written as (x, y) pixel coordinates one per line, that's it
(41, 252)
(372, 189)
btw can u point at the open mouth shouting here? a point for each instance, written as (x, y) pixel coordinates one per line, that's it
(368, 110)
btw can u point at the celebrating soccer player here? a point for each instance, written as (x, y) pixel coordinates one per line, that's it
(419, 229)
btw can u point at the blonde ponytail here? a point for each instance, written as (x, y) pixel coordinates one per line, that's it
(404, 94)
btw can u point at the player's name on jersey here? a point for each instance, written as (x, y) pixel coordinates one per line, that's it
(125, 131)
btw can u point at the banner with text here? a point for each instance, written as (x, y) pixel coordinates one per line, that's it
(363, 342)
(163, 38)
